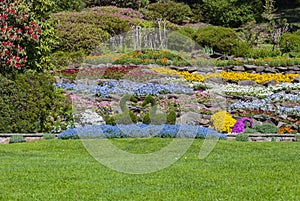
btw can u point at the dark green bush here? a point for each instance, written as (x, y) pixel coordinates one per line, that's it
(178, 13)
(266, 128)
(68, 5)
(232, 13)
(62, 59)
(290, 42)
(16, 139)
(171, 117)
(243, 137)
(30, 103)
(109, 120)
(146, 118)
(149, 99)
(221, 39)
(250, 130)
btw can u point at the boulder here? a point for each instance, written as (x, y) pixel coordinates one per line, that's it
(247, 83)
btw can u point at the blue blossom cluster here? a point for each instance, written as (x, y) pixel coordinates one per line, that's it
(266, 104)
(126, 87)
(139, 131)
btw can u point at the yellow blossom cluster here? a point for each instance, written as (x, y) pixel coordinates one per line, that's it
(258, 78)
(222, 121)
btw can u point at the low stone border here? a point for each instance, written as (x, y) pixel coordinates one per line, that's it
(268, 137)
(29, 137)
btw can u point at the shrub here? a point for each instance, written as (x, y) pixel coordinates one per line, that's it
(171, 117)
(250, 130)
(62, 59)
(290, 42)
(222, 121)
(266, 128)
(232, 13)
(49, 136)
(178, 13)
(243, 137)
(221, 39)
(68, 5)
(146, 118)
(16, 139)
(20, 37)
(91, 27)
(30, 103)
(136, 4)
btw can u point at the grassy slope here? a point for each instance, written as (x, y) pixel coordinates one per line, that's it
(63, 170)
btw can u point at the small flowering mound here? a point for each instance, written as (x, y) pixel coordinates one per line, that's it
(222, 121)
(139, 130)
(239, 126)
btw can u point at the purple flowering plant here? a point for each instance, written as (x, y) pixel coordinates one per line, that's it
(239, 126)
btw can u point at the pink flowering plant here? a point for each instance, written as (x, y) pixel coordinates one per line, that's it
(19, 36)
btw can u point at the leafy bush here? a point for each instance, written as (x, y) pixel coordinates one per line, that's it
(250, 130)
(178, 13)
(136, 4)
(146, 118)
(68, 5)
(20, 37)
(290, 42)
(16, 139)
(49, 136)
(62, 59)
(232, 13)
(266, 128)
(30, 103)
(89, 28)
(171, 117)
(243, 137)
(221, 39)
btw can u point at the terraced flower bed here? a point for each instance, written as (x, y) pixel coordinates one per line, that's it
(219, 100)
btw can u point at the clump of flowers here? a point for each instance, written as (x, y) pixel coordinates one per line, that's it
(287, 129)
(222, 121)
(19, 35)
(240, 125)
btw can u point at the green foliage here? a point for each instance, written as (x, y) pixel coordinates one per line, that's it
(89, 28)
(68, 5)
(221, 39)
(171, 117)
(250, 130)
(146, 118)
(178, 13)
(62, 59)
(136, 4)
(16, 139)
(290, 42)
(109, 120)
(22, 39)
(263, 52)
(30, 103)
(42, 10)
(266, 128)
(49, 136)
(243, 137)
(149, 99)
(232, 13)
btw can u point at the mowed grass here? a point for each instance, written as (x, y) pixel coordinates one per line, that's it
(64, 170)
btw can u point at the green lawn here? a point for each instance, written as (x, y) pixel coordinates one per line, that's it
(64, 170)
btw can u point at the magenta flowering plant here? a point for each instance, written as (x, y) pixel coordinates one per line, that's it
(240, 126)
(19, 35)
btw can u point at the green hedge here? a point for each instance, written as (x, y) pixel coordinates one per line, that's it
(222, 40)
(178, 13)
(290, 42)
(30, 103)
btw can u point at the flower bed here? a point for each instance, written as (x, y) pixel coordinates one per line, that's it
(139, 130)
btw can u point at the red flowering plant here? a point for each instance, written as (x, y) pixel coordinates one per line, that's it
(19, 36)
